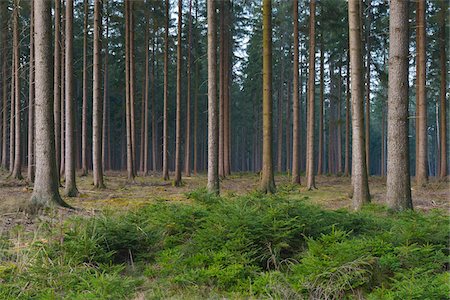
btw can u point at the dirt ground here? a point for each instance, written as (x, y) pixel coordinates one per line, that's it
(332, 193)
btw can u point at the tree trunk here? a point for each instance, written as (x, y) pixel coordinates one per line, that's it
(187, 157)
(132, 89)
(288, 129)
(166, 97)
(310, 184)
(421, 101)
(146, 87)
(30, 173)
(398, 183)
(213, 155)
(221, 88)
(11, 115)
(339, 123)
(97, 105)
(320, 164)
(347, 119)
(4, 55)
(368, 62)
(295, 106)
(106, 155)
(84, 114)
(62, 87)
(443, 99)
(71, 188)
(360, 183)
(280, 116)
(177, 181)
(17, 170)
(154, 130)
(128, 101)
(45, 192)
(267, 178)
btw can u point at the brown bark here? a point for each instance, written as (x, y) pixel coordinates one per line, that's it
(310, 180)
(177, 181)
(359, 170)
(166, 78)
(288, 129)
(45, 191)
(213, 171)
(339, 122)
(106, 154)
(367, 108)
(132, 89)
(187, 157)
(17, 169)
(280, 116)
(30, 172)
(221, 89)
(267, 178)
(62, 115)
(11, 115)
(70, 188)
(128, 102)
(97, 104)
(227, 106)
(57, 83)
(320, 164)
(154, 129)
(443, 101)
(145, 133)
(421, 101)
(4, 55)
(295, 100)
(398, 183)
(347, 119)
(84, 114)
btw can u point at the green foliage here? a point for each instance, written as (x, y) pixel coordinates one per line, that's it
(240, 246)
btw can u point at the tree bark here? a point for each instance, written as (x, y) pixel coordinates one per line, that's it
(221, 89)
(177, 181)
(398, 183)
(295, 106)
(97, 105)
(443, 100)
(4, 55)
(360, 183)
(280, 116)
(267, 178)
(320, 165)
(227, 104)
(367, 108)
(166, 97)
(106, 154)
(30, 172)
(421, 101)
(146, 91)
(128, 100)
(71, 187)
(213, 133)
(84, 114)
(154, 130)
(12, 114)
(187, 157)
(62, 87)
(288, 128)
(45, 192)
(347, 119)
(17, 170)
(310, 180)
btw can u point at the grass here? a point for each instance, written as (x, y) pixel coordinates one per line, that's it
(190, 244)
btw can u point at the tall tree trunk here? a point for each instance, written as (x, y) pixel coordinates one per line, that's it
(295, 106)
(310, 183)
(443, 101)
(57, 84)
(106, 155)
(227, 105)
(166, 97)
(320, 164)
(280, 116)
(339, 123)
(177, 181)
(196, 152)
(45, 191)
(187, 157)
(71, 188)
(421, 100)
(360, 183)
(213, 155)
(17, 170)
(12, 114)
(221, 88)
(97, 105)
(398, 183)
(30, 173)
(347, 118)
(4, 55)
(84, 114)
(367, 108)
(128, 104)
(62, 87)
(146, 87)
(267, 178)
(154, 129)
(288, 129)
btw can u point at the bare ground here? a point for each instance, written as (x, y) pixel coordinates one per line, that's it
(119, 194)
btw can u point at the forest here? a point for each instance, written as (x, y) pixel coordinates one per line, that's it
(224, 149)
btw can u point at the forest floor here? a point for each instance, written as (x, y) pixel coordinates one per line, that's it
(333, 192)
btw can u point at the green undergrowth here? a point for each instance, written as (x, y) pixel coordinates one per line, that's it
(252, 246)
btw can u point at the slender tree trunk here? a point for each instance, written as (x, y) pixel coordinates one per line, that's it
(280, 117)
(310, 184)
(347, 119)
(320, 164)
(154, 129)
(267, 178)
(227, 104)
(17, 170)
(30, 173)
(128, 104)
(62, 87)
(177, 181)
(339, 123)
(288, 129)
(213, 155)
(398, 183)
(57, 84)
(360, 183)
(367, 108)
(166, 97)
(12, 114)
(221, 88)
(4, 55)
(106, 162)
(84, 114)
(45, 192)
(146, 87)
(71, 188)
(196, 152)
(187, 157)
(132, 89)
(295, 106)
(443, 100)
(421, 100)
(97, 105)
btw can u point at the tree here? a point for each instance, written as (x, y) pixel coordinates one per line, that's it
(320, 164)
(57, 85)
(267, 178)
(398, 184)
(187, 156)
(310, 180)
(347, 118)
(443, 90)
(295, 106)
(128, 92)
(221, 89)
(145, 99)
(17, 169)
(97, 104)
(4, 49)
(45, 192)
(84, 113)
(106, 146)
(368, 62)
(177, 181)
(71, 187)
(213, 155)
(30, 173)
(359, 170)
(421, 101)
(166, 82)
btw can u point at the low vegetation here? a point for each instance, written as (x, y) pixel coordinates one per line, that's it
(236, 246)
